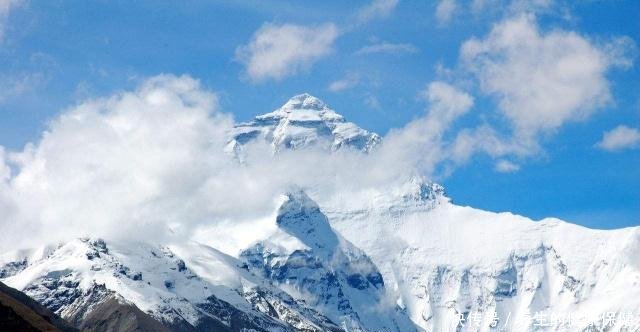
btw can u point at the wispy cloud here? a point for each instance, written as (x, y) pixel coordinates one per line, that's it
(278, 51)
(620, 138)
(511, 7)
(347, 82)
(505, 166)
(422, 141)
(445, 10)
(388, 48)
(6, 6)
(16, 85)
(35, 73)
(376, 9)
(372, 102)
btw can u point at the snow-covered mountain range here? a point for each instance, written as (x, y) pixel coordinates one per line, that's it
(409, 260)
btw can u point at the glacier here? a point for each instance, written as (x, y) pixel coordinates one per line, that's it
(405, 259)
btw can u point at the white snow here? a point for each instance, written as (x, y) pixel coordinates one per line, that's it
(302, 122)
(480, 244)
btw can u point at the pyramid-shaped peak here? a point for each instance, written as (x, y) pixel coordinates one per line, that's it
(297, 202)
(301, 217)
(305, 101)
(304, 121)
(303, 107)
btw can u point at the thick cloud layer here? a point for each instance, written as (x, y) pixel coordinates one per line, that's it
(150, 164)
(118, 164)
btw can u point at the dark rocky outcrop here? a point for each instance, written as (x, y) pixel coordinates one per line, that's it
(18, 312)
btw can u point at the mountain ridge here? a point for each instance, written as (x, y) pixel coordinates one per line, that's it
(404, 258)
(18, 312)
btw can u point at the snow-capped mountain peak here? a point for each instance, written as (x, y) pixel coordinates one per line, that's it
(327, 271)
(304, 101)
(303, 108)
(301, 217)
(303, 121)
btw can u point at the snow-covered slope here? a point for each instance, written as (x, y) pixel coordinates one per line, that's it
(301, 122)
(450, 266)
(188, 287)
(401, 258)
(454, 264)
(309, 260)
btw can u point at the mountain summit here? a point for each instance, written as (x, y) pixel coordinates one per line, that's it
(304, 121)
(304, 101)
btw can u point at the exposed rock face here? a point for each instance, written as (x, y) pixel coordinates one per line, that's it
(136, 286)
(324, 269)
(18, 312)
(101, 310)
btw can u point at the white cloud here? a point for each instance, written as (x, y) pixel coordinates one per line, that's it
(36, 72)
(372, 102)
(376, 9)
(481, 7)
(18, 84)
(347, 82)
(151, 163)
(619, 138)
(278, 51)
(505, 166)
(541, 80)
(445, 11)
(621, 52)
(388, 48)
(478, 6)
(485, 139)
(145, 161)
(447, 103)
(530, 6)
(421, 142)
(6, 6)
(123, 164)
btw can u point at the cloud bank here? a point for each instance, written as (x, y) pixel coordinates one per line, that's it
(150, 163)
(132, 160)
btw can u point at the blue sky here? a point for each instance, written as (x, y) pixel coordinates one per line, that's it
(371, 62)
